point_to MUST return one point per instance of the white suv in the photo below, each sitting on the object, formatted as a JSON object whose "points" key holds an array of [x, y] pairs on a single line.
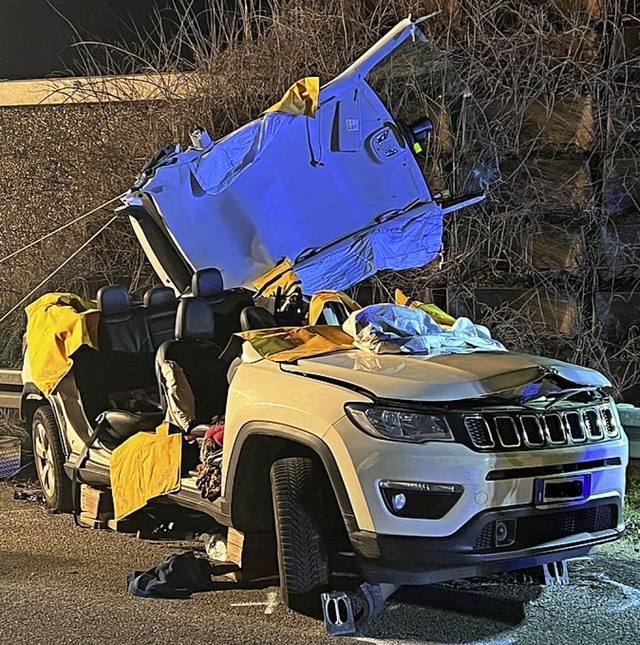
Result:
{"points": [[412, 468]]}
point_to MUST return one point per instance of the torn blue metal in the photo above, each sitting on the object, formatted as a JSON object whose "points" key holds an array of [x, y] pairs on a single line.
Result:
{"points": [[341, 194]]}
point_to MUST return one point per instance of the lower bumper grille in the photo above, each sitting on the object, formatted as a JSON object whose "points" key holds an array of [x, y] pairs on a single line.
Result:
{"points": [[547, 526]]}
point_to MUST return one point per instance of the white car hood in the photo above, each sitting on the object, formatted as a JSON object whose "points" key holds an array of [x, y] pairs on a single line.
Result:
{"points": [[448, 377]]}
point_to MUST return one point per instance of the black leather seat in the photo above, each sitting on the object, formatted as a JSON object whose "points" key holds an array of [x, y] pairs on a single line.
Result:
{"points": [[119, 425], [195, 352], [256, 318], [161, 305], [226, 304], [121, 328]]}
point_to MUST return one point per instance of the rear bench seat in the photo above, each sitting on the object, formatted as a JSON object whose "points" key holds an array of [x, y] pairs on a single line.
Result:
{"points": [[129, 335], [121, 373]]}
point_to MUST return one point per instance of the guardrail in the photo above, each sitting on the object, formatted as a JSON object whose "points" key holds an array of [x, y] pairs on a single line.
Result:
{"points": [[10, 389]]}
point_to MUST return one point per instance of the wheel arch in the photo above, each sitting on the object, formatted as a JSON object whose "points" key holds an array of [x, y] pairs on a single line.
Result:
{"points": [[30, 400], [257, 446]]}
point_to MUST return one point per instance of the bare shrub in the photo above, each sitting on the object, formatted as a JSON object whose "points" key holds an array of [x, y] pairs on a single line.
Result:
{"points": [[556, 153]]}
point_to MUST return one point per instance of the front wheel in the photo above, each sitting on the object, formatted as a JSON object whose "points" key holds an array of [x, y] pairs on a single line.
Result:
{"points": [[303, 560], [49, 458]]}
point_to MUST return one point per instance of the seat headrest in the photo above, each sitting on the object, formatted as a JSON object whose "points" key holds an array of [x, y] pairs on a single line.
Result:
{"points": [[194, 320], [160, 297], [114, 298], [256, 318], [206, 282]]}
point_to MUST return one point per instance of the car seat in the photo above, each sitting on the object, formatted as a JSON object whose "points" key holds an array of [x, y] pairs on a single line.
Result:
{"points": [[195, 352], [160, 305]]}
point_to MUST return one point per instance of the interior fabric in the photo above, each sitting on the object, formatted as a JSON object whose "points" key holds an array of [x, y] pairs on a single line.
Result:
{"points": [[180, 402]]}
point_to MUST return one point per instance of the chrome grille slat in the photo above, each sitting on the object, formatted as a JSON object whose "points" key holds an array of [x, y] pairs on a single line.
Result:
{"points": [[555, 429], [591, 420], [609, 423], [479, 431], [575, 427], [534, 430], [506, 432]]}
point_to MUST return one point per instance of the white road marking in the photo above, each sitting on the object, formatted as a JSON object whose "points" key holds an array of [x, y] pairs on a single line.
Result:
{"points": [[248, 604], [631, 594], [272, 602]]}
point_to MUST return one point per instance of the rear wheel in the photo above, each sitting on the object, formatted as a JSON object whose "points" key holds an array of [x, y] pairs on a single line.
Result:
{"points": [[49, 458], [303, 560]]}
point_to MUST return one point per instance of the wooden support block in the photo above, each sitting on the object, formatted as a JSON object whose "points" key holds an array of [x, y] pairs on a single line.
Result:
{"points": [[96, 503], [254, 553], [554, 312], [125, 525], [89, 521]]}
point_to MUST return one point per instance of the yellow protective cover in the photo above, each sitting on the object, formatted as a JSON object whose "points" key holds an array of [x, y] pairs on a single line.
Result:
{"points": [[281, 277], [143, 467], [320, 298], [300, 99], [286, 344], [441, 317], [57, 325]]}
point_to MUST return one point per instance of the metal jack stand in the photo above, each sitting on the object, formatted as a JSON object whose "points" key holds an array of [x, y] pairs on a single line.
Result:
{"points": [[337, 608], [556, 573], [550, 574]]}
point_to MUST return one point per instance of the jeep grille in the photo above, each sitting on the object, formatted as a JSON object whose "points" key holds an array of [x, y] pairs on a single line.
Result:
{"points": [[516, 430]]}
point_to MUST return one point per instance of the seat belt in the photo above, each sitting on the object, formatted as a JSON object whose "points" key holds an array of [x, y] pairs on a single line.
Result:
{"points": [[79, 462]]}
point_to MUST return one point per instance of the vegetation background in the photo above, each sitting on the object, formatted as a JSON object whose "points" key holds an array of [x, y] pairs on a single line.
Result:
{"points": [[550, 262]]}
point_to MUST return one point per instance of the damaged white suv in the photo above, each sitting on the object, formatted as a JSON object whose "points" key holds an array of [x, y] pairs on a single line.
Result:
{"points": [[413, 468]]}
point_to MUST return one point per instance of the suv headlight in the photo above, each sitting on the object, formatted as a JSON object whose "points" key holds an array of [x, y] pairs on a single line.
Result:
{"points": [[398, 424]]}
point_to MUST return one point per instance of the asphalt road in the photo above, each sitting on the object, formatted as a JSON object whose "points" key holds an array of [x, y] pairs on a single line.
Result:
{"points": [[63, 584]]}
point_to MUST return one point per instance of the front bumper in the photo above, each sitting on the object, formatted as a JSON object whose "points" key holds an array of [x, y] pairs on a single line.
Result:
{"points": [[541, 536]]}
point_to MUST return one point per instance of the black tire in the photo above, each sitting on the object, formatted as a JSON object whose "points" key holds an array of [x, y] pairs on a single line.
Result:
{"points": [[49, 460], [303, 560]]}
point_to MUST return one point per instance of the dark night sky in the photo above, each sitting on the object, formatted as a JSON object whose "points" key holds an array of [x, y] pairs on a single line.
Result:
{"points": [[35, 41]]}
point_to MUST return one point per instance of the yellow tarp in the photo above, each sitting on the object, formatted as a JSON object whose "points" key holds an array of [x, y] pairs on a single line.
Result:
{"points": [[282, 277], [320, 299], [285, 344], [143, 467], [57, 325], [300, 99], [441, 317]]}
